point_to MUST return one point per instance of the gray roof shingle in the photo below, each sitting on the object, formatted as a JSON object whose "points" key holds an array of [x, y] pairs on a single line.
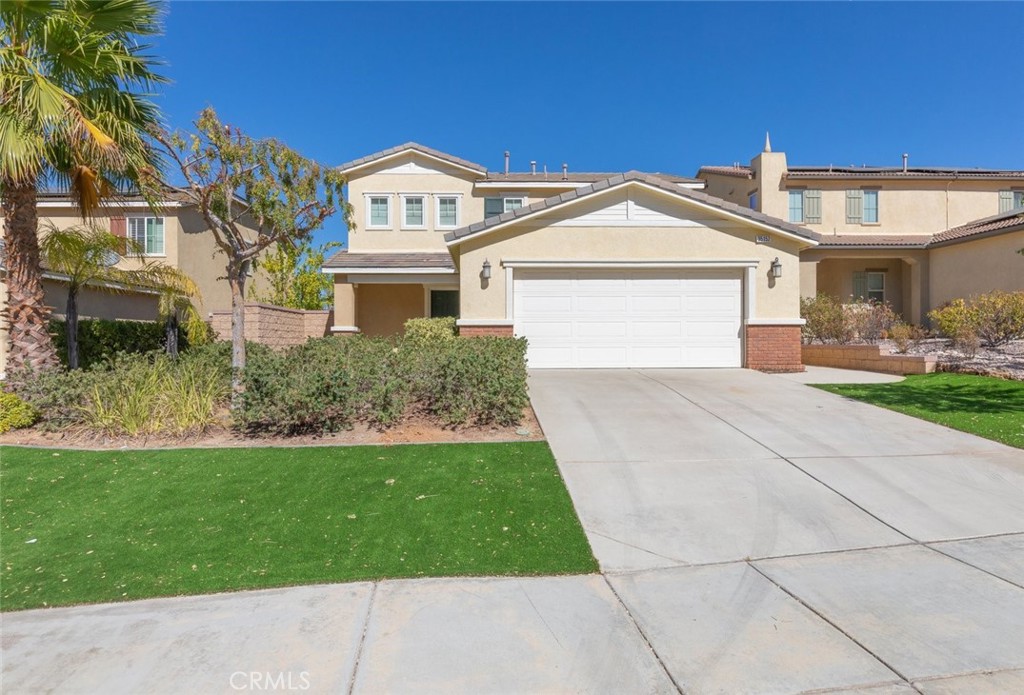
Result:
{"points": [[1003, 222]]}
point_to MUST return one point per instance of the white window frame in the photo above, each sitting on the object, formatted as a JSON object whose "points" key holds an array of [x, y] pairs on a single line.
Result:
{"points": [[864, 207], [368, 198], [426, 213], [437, 210], [145, 245], [505, 198], [876, 273]]}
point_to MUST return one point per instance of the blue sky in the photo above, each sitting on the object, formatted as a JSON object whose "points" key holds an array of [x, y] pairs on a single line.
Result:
{"points": [[609, 86]]}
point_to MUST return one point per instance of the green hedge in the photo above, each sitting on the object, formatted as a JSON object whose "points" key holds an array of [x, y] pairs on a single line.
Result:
{"points": [[330, 383], [101, 339]]}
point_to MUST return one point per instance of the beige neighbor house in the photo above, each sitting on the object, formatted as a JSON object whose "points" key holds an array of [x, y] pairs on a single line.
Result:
{"points": [[595, 269], [176, 235], [914, 237]]}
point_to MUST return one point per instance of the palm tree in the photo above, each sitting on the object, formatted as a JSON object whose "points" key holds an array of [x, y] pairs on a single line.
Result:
{"points": [[74, 114], [86, 256]]}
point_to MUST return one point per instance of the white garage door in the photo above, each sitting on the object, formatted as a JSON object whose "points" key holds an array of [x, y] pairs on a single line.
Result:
{"points": [[632, 318]]}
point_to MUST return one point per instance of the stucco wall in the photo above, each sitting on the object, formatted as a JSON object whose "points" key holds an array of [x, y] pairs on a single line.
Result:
{"points": [[835, 277], [384, 309], [710, 238], [974, 267]]}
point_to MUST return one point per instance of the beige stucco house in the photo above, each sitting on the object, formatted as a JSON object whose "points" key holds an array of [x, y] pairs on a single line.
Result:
{"points": [[175, 234], [914, 237], [595, 269]]}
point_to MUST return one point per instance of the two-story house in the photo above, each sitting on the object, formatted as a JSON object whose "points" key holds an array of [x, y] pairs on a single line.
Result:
{"points": [[175, 234], [595, 269], [912, 236]]}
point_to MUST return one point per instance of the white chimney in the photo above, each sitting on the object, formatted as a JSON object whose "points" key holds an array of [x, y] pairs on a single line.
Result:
{"points": [[905, 158], [533, 167], [565, 171]]}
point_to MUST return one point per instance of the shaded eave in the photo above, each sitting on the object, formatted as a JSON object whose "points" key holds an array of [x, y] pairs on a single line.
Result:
{"points": [[387, 263], [696, 198]]}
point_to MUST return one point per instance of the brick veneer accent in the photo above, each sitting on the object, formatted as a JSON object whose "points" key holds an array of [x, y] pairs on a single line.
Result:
{"points": [[867, 357], [276, 326], [479, 331], [774, 348]]}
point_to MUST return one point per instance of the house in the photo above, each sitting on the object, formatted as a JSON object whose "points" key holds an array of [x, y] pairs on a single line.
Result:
{"points": [[176, 234], [595, 269], [912, 236]]}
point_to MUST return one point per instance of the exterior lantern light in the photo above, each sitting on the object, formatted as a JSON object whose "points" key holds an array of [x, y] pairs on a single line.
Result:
{"points": [[486, 272], [776, 268]]}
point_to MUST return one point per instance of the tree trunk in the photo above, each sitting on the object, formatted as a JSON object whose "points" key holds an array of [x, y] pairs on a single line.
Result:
{"points": [[71, 327], [27, 314], [236, 277], [171, 333]]}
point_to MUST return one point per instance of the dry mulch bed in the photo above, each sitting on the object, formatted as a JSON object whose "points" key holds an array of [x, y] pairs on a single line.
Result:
{"points": [[1006, 362], [412, 430]]}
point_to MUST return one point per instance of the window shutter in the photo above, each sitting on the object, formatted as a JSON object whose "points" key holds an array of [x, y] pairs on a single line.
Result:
{"points": [[119, 228], [812, 206], [493, 206], [860, 286], [854, 207], [1005, 201]]}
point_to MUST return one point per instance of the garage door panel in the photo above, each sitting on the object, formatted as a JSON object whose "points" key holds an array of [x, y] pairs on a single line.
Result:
{"points": [[601, 329], [601, 305], [657, 329], [629, 318]]}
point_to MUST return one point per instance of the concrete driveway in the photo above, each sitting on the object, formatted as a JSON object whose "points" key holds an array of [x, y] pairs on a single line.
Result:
{"points": [[755, 535]]}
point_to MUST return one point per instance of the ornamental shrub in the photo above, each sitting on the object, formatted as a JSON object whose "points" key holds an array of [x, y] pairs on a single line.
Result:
{"points": [[331, 383], [101, 339], [995, 318], [824, 319], [430, 331], [868, 321], [905, 336], [15, 413]]}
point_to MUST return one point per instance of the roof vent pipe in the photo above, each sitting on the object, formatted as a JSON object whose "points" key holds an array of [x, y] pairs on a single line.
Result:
{"points": [[565, 171], [905, 158], [533, 167], [507, 155]]}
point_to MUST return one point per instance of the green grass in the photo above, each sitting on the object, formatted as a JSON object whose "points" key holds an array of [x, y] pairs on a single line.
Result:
{"points": [[84, 527], [985, 406]]}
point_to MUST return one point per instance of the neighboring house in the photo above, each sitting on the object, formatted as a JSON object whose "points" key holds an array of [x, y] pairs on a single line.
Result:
{"points": [[881, 227], [176, 235], [595, 269]]}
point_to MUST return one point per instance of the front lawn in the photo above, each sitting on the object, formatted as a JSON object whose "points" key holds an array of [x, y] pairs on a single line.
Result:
{"points": [[981, 405], [84, 527]]}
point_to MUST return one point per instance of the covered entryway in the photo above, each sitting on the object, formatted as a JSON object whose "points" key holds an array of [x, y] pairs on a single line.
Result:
{"points": [[629, 317]]}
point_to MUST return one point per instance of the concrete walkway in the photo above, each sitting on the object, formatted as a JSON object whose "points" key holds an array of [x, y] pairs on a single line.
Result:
{"points": [[755, 535]]}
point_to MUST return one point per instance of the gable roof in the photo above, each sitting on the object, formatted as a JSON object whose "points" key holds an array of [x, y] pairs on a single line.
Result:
{"points": [[996, 224], [398, 150], [619, 180]]}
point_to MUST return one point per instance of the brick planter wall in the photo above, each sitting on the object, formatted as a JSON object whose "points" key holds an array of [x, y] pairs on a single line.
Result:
{"points": [[774, 348], [479, 331], [275, 326], [867, 357]]}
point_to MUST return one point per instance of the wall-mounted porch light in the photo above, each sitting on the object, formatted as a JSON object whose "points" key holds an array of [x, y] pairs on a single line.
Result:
{"points": [[486, 272], [776, 268]]}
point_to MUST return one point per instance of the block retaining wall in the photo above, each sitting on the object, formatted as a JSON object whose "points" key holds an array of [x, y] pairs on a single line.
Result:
{"points": [[867, 357]]}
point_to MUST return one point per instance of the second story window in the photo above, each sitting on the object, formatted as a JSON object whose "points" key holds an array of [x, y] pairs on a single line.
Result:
{"points": [[1010, 200], [496, 206], [378, 212], [148, 233], [862, 207], [752, 201], [805, 206], [447, 211], [414, 214]]}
